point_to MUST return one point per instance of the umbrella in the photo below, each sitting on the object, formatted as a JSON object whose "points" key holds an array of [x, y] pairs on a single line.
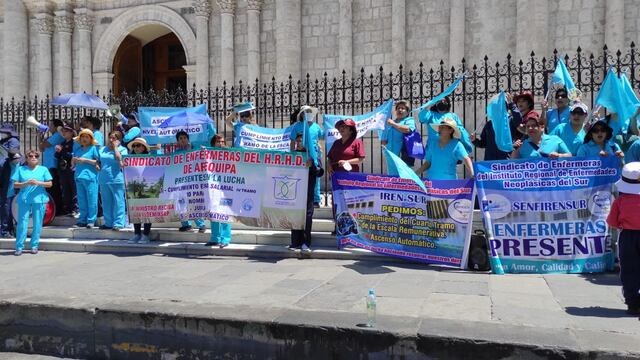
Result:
{"points": [[79, 100], [186, 119]]}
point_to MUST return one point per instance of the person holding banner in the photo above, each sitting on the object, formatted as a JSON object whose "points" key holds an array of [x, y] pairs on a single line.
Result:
{"points": [[220, 232], [347, 153], [241, 115], [538, 144], [442, 157], [301, 239], [572, 133], [308, 114], [559, 115], [625, 215], [395, 130], [93, 123], [597, 141], [32, 180], [141, 231], [85, 159], [111, 182], [47, 147], [183, 144]]}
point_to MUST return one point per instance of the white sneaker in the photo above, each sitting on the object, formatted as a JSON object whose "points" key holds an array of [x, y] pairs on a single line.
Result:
{"points": [[305, 248], [134, 239], [144, 239]]}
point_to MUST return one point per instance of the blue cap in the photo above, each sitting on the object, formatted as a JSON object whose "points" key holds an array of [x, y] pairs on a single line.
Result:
{"points": [[243, 107]]}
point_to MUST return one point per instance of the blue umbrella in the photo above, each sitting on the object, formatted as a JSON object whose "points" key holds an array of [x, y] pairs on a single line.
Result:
{"points": [[186, 119], [79, 100]]}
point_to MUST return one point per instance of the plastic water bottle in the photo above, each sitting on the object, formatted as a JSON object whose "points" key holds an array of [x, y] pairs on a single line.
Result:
{"points": [[371, 308]]}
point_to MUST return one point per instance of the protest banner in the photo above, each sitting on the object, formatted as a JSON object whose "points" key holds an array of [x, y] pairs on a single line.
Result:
{"points": [[257, 188], [548, 216], [394, 216], [373, 120], [151, 117], [253, 137]]}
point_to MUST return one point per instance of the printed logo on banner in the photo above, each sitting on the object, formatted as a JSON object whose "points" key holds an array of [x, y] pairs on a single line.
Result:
{"points": [[459, 210], [346, 225], [285, 188], [498, 205], [247, 204], [600, 203]]}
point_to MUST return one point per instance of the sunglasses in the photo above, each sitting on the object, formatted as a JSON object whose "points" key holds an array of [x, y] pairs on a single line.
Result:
{"points": [[599, 130], [136, 145], [35, 156], [561, 96]]}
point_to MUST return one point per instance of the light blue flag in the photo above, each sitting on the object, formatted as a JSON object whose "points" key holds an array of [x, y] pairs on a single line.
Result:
{"points": [[374, 120], [397, 167], [631, 98], [613, 97], [497, 113], [562, 77], [442, 95]]}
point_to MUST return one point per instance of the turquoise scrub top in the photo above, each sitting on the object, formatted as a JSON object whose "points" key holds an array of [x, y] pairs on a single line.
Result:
{"points": [[549, 144], [99, 137], [49, 154], [593, 149], [394, 138], [110, 171], [131, 134], [570, 138], [444, 160], [555, 118], [86, 171], [32, 194], [633, 153], [315, 132]]}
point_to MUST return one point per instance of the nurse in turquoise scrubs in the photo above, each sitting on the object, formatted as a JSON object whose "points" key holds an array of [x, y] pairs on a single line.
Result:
{"points": [[395, 130], [598, 141], [31, 179], [85, 159], [435, 114], [539, 144], [220, 232], [558, 115], [441, 157], [316, 133], [572, 133], [93, 123], [111, 182]]}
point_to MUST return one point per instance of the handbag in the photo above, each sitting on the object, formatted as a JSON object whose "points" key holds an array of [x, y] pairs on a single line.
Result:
{"points": [[412, 145]]}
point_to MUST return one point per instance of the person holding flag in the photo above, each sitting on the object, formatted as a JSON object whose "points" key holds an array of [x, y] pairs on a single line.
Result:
{"points": [[183, 144], [558, 115], [572, 133], [241, 115], [442, 157], [598, 140], [617, 96], [313, 135], [434, 115], [495, 137], [220, 231], [395, 130]]}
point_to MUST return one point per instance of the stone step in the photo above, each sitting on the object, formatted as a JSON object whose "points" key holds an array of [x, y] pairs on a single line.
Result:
{"points": [[172, 235], [198, 249]]}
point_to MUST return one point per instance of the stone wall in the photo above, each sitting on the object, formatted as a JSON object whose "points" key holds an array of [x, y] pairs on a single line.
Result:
{"points": [[632, 21]]}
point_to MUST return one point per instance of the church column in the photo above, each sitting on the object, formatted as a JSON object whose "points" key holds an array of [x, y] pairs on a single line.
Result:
{"points": [[288, 39], [398, 32], [253, 40], [15, 44], [227, 65], [345, 37], [614, 25], [456, 32], [532, 33], [64, 28], [45, 74], [84, 21], [203, 14]]}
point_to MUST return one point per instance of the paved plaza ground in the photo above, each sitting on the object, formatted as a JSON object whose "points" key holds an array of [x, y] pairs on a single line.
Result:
{"points": [[579, 312]]}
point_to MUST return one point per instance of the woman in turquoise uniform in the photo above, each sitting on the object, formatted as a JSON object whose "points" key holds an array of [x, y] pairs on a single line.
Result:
{"points": [[111, 181], [32, 180], [220, 232], [442, 156], [572, 133], [85, 159], [598, 141], [539, 144], [395, 130]]}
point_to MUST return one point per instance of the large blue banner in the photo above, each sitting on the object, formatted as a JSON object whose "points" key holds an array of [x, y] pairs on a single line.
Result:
{"points": [[151, 117], [394, 216], [374, 120], [548, 216]]}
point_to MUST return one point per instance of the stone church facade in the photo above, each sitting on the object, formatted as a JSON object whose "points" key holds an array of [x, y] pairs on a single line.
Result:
{"points": [[58, 46]]}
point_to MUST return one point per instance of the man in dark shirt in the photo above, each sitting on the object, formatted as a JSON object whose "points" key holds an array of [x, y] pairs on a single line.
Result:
{"points": [[64, 154], [9, 146]]}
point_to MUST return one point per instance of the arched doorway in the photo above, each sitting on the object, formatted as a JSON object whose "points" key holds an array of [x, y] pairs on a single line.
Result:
{"points": [[150, 57]]}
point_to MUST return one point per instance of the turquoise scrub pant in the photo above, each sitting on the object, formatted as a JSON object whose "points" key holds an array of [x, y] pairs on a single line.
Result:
{"points": [[113, 204], [199, 223], [220, 233], [87, 193], [37, 210]]}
